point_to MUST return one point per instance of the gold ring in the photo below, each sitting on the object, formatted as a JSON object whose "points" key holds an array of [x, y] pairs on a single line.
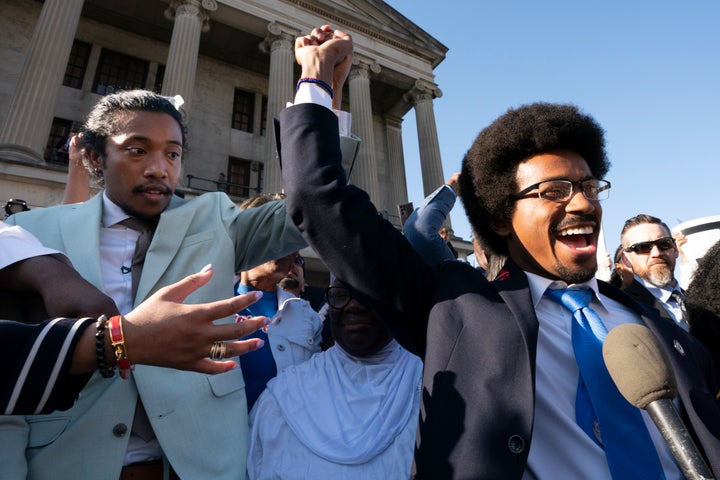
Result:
{"points": [[218, 350]]}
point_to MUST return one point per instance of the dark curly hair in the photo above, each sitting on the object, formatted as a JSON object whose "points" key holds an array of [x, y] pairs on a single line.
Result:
{"points": [[702, 300], [487, 179], [107, 118]]}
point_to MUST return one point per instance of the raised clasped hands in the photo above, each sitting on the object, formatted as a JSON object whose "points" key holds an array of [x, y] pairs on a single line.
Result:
{"points": [[326, 54]]}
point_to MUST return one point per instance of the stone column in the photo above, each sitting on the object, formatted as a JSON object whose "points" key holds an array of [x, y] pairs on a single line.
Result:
{"points": [[92, 66], [25, 131], [191, 17], [279, 43], [396, 163], [422, 96], [364, 173]]}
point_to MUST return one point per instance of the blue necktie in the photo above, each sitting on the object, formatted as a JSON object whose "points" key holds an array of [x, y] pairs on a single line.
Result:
{"points": [[628, 447]]}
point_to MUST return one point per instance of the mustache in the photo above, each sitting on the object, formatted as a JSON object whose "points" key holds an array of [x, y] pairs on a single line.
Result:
{"points": [[659, 261], [576, 221], [162, 188]]}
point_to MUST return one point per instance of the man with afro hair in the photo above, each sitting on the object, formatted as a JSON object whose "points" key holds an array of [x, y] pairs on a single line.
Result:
{"points": [[501, 376]]}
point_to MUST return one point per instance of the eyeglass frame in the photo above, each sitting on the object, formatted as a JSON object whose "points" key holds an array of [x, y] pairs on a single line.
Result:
{"points": [[327, 296], [603, 186], [640, 246]]}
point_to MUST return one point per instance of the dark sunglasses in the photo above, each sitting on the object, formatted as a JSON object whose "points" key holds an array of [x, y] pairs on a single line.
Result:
{"points": [[664, 243]]}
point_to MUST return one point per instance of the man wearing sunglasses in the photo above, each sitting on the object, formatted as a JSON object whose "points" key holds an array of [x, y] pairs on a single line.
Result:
{"points": [[650, 250]]}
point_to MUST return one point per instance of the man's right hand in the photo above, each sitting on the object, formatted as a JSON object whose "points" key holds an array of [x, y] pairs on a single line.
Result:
{"points": [[166, 332]]}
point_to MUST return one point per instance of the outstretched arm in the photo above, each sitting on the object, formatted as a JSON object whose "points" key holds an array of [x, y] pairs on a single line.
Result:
{"points": [[43, 362], [165, 332], [338, 220], [422, 226]]}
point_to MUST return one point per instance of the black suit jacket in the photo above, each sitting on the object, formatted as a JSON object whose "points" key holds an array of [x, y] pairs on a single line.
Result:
{"points": [[638, 292], [477, 339]]}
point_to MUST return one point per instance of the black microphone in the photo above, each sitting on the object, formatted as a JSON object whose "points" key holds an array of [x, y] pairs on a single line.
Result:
{"points": [[642, 372]]}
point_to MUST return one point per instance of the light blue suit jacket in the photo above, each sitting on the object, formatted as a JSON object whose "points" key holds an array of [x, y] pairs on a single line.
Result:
{"points": [[200, 420]]}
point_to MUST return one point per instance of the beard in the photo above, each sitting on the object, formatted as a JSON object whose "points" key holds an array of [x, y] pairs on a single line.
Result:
{"points": [[572, 276], [660, 275], [289, 283]]}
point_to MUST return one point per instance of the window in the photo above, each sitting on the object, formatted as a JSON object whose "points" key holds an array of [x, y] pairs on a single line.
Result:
{"points": [[243, 111], [77, 64], [159, 77], [240, 176], [119, 72], [56, 150], [263, 125]]}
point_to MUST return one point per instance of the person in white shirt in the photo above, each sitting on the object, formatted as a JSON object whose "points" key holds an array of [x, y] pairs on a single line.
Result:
{"points": [[349, 412]]}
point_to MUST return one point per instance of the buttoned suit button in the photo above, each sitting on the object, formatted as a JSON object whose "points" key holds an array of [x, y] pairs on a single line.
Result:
{"points": [[516, 444], [120, 430], [281, 347], [311, 340]]}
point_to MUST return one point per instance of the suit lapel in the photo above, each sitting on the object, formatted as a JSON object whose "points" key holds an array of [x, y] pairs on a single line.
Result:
{"points": [[80, 232], [638, 292], [511, 284]]}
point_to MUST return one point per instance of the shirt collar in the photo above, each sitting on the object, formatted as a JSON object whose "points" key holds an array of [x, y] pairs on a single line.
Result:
{"points": [[111, 213], [538, 286], [661, 293]]}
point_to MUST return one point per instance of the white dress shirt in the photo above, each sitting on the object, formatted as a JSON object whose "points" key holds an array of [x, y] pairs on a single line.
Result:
{"points": [[560, 449], [117, 247]]}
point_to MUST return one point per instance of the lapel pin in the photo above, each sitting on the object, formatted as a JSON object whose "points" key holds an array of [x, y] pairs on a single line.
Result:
{"points": [[678, 347]]}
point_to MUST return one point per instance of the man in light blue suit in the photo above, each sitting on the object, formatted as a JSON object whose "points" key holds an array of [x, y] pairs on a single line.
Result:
{"points": [[135, 141]]}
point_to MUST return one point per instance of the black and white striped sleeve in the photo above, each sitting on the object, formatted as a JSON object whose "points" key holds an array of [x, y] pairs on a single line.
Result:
{"points": [[35, 364]]}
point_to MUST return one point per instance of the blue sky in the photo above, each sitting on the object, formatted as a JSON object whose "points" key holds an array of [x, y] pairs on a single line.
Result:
{"points": [[648, 71]]}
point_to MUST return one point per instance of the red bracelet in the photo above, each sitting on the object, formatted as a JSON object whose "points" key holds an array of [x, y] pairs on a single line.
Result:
{"points": [[118, 342]]}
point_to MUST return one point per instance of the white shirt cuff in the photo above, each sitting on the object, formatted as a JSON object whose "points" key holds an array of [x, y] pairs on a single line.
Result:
{"points": [[310, 93]]}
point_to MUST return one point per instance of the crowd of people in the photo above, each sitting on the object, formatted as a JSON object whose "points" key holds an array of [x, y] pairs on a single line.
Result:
{"points": [[126, 354]]}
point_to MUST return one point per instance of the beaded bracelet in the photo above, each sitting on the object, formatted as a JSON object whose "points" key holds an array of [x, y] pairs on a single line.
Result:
{"points": [[100, 348], [317, 82], [117, 338]]}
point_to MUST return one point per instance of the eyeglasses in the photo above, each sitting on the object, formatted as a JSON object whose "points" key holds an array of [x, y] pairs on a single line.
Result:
{"points": [[338, 297], [664, 243], [562, 190]]}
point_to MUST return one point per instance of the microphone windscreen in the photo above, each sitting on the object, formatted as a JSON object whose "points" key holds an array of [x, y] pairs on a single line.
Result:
{"points": [[638, 366]]}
